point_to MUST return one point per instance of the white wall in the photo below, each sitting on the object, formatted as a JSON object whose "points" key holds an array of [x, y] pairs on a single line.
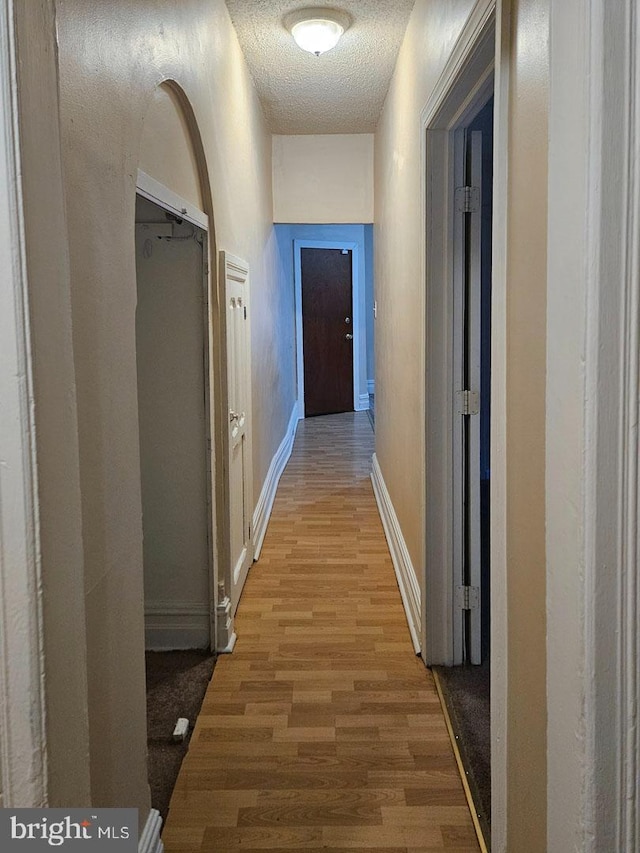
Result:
{"points": [[323, 178]]}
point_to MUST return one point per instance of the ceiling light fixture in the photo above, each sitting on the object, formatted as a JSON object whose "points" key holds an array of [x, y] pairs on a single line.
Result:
{"points": [[317, 30]]}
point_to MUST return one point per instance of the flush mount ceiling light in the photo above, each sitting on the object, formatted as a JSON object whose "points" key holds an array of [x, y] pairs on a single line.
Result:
{"points": [[317, 30]]}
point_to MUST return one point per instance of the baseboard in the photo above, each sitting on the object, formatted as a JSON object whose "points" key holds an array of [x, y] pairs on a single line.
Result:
{"points": [[169, 626], [150, 841], [225, 636], [228, 649], [262, 512], [405, 573], [371, 386], [363, 403]]}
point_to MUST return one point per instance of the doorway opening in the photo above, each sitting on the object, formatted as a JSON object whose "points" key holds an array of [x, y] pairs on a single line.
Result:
{"points": [[329, 277], [172, 359], [466, 684], [459, 221], [327, 330]]}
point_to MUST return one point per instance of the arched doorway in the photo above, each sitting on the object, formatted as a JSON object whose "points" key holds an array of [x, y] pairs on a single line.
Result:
{"points": [[178, 391]]}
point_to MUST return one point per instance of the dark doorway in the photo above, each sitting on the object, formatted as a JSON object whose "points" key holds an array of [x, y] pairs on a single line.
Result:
{"points": [[327, 324], [466, 688]]}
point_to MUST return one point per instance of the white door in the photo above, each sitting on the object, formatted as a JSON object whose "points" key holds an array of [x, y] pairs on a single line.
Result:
{"points": [[236, 279], [467, 362]]}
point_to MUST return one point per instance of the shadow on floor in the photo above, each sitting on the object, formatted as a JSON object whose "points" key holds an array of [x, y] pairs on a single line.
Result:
{"points": [[176, 684], [466, 691]]}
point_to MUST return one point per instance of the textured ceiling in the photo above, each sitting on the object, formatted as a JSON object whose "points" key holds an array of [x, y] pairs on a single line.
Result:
{"points": [[341, 91]]}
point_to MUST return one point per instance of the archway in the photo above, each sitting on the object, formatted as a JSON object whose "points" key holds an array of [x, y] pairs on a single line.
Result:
{"points": [[178, 362]]}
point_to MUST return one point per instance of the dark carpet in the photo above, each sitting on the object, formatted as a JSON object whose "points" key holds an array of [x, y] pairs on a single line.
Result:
{"points": [[176, 684], [466, 691]]}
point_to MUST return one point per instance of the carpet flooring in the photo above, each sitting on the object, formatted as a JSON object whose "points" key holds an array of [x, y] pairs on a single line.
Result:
{"points": [[466, 690], [176, 684]]}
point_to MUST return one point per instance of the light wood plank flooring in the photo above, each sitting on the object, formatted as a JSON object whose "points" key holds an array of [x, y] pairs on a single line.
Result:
{"points": [[322, 731]]}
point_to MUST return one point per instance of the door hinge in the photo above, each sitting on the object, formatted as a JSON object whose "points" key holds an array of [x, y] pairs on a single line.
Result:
{"points": [[245, 312], [467, 402], [467, 597], [467, 199]]}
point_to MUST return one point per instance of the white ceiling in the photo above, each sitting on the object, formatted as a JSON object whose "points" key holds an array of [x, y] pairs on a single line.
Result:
{"points": [[341, 91]]}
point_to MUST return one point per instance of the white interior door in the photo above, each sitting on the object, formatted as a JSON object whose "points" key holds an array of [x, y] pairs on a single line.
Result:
{"points": [[236, 279], [467, 363]]}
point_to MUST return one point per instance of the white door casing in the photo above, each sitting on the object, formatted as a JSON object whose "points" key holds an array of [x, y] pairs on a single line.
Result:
{"points": [[465, 86], [593, 405], [23, 755]]}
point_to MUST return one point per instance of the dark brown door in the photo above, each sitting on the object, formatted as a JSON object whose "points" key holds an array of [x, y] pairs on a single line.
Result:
{"points": [[327, 331]]}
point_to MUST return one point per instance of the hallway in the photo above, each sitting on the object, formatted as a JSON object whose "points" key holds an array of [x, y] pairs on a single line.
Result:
{"points": [[322, 731]]}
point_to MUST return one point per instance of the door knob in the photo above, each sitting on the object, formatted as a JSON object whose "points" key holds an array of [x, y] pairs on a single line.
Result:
{"points": [[347, 320], [348, 337]]}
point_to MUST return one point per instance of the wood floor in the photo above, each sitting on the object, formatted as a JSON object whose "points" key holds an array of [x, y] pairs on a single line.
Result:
{"points": [[322, 731]]}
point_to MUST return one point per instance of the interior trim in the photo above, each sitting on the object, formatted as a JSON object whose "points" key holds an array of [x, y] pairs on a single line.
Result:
{"points": [[262, 512], [400, 557]]}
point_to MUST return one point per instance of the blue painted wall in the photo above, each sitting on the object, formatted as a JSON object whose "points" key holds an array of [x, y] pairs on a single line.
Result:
{"points": [[362, 235]]}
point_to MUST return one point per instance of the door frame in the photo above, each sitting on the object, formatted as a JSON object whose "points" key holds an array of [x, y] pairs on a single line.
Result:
{"points": [[454, 109], [151, 189], [359, 334], [478, 64], [593, 400], [23, 741]]}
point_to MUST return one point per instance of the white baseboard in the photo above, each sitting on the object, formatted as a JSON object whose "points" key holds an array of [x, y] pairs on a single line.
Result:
{"points": [[371, 386], [226, 636], [150, 841], [405, 573], [262, 512], [228, 649], [363, 403], [169, 626]]}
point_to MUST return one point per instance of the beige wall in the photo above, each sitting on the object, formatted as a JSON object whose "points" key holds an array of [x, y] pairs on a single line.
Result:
{"points": [[400, 378], [400, 326], [323, 179], [165, 129], [60, 533], [112, 57]]}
